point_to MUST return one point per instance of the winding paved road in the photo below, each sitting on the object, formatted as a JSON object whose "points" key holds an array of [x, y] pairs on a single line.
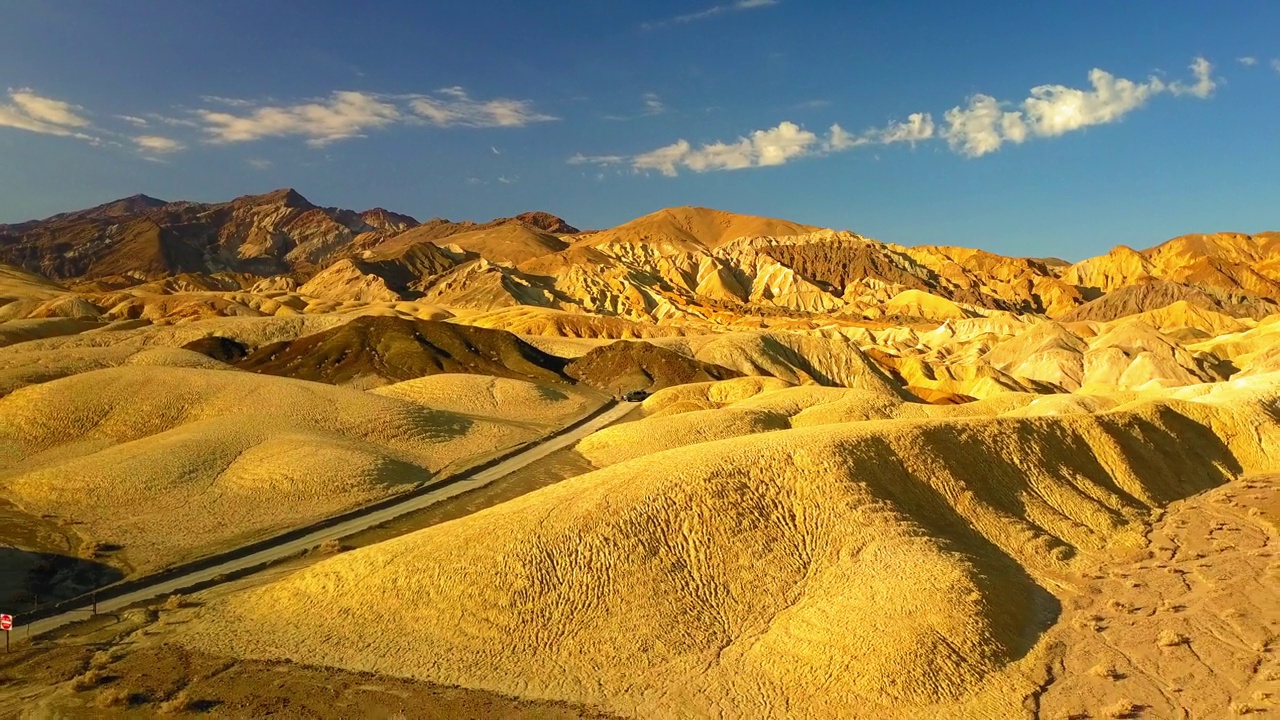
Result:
{"points": [[291, 547]]}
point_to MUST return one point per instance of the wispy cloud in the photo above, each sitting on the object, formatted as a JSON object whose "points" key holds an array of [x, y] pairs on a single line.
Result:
{"points": [[985, 124], [652, 105], [1204, 85], [580, 159], [452, 106], [34, 113], [342, 115], [259, 164], [710, 12], [916, 128], [817, 104], [1275, 64], [158, 144], [349, 114], [230, 102], [980, 127], [134, 121], [775, 146], [762, 148], [1247, 61]]}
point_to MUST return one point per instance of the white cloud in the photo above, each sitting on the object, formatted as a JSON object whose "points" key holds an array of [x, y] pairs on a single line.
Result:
{"points": [[135, 121], [259, 164], [34, 113], [580, 159], [1204, 85], [1275, 64], [173, 121], [917, 127], [42, 109], [985, 124], [232, 102], [344, 114], [452, 106], [782, 143], [1056, 109], [349, 114], [982, 127], [839, 139], [1247, 61], [762, 148], [158, 144], [664, 159], [713, 11], [653, 104]]}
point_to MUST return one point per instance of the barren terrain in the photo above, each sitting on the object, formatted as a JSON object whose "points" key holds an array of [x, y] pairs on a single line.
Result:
{"points": [[869, 481]]}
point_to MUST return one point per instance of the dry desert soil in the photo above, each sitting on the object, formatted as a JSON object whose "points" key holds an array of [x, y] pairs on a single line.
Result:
{"points": [[869, 480]]}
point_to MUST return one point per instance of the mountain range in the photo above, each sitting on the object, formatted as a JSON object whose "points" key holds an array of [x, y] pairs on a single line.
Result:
{"points": [[677, 265]]}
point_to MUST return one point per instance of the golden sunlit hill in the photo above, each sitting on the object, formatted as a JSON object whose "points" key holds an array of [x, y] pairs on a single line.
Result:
{"points": [[321, 462]]}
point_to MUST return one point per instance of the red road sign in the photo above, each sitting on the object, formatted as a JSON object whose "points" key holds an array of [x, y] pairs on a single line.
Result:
{"points": [[6, 622]]}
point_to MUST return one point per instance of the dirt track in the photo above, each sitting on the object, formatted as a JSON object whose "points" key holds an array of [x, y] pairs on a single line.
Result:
{"points": [[212, 573]]}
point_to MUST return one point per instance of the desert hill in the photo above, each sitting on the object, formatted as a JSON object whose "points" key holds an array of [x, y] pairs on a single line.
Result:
{"points": [[686, 228], [173, 462], [279, 232], [871, 481], [511, 243], [380, 350], [677, 266], [1230, 263], [842, 569], [625, 366]]}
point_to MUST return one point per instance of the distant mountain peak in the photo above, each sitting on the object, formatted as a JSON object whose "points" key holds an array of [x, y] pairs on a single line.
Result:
{"points": [[284, 196], [125, 206], [386, 219], [546, 222]]}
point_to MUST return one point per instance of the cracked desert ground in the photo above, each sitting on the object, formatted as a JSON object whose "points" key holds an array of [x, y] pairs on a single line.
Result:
{"points": [[867, 481]]}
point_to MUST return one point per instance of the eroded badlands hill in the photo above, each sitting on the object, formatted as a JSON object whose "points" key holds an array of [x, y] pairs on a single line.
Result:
{"points": [[873, 480]]}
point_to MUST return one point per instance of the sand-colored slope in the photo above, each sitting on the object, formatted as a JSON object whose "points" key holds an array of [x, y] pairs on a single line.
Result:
{"points": [[1149, 294], [712, 394], [693, 228], [917, 303], [792, 357], [19, 284], [853, 570], [1048, 352], [513, 243], [19, 369], [251, 332], [18, 331], [517, 401], [1187, 628], [527, 320], [172, 462]]}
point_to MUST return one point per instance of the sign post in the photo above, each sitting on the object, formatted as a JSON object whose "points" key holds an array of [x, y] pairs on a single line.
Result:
{"points": [[6, 624]]}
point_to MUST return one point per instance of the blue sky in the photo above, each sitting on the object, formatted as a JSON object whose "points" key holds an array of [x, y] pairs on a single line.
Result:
{"points": [[603, 110]]}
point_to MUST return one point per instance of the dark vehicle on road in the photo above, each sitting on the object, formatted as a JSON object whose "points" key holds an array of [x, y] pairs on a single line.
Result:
{"points": [[634, 395]]}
